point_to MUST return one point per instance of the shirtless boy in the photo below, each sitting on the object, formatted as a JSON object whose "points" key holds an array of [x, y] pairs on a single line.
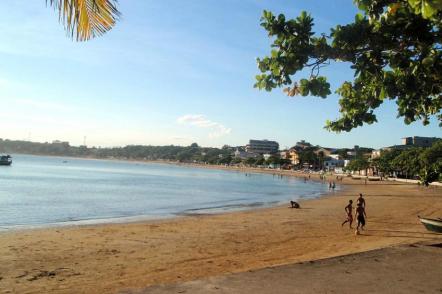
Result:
{"points": [[360, 216], [349, 212], [361, 200]]}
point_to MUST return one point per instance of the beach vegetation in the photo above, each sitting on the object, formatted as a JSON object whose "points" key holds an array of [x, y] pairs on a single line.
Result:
{"points": [[431, 164], [420, 163], [408, 164], [358, 164], [260, 161], [394, 48], [308, 157], [250, 161]]}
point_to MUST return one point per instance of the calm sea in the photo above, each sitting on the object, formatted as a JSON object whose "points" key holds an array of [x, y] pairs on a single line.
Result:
{"points": [[39, 191]]}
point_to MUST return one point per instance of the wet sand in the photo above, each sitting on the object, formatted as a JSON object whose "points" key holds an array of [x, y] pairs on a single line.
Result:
{"points": [[116, 258]]}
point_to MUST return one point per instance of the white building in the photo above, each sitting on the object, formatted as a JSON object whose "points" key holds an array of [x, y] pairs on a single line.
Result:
{"points": [[243, 154], [332, 163], [266, 156], [262, 146]]}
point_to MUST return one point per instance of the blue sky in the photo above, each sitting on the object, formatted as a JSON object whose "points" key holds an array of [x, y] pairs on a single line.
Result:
{"points": [[170, 72]]}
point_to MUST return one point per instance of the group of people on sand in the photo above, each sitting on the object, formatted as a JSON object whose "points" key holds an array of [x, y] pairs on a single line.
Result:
{"points": [[360, 214]]}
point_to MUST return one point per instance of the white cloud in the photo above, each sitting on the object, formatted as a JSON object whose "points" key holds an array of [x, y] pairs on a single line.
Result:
{"points": [[198, 120]]}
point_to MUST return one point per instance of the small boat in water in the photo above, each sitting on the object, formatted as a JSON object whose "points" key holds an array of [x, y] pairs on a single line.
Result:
{"points": [[434, 225], [5, 159]]}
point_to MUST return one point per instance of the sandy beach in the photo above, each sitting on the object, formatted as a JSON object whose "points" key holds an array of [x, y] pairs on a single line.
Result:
{"points": [[114, 258], [406, 269]]}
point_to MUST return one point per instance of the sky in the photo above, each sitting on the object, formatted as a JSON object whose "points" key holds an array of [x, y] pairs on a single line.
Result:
{"points": [[170, 72]]}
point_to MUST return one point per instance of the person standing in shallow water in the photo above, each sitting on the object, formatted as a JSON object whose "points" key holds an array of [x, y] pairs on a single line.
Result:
{"points": [[349, 211]]}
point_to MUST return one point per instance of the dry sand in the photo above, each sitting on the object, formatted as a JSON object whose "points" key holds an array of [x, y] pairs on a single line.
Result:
{"points": [[404, 269], [114, 258]]}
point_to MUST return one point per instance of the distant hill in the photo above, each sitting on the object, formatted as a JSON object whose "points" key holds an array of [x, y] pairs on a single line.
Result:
{"points": [[192, 153]]}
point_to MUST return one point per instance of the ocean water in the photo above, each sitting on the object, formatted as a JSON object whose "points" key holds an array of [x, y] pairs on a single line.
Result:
{"points": [[40, 191]]}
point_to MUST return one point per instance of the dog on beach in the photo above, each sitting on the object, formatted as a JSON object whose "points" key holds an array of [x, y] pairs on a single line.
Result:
{"points": [[295, 204]]}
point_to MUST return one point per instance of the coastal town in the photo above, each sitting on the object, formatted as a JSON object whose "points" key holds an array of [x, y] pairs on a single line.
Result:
{"points": [[309, 157], [415, 158]]}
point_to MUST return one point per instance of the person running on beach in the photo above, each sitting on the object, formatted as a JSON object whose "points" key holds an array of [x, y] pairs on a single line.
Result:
{"points": [[360, 216], [349, 211]]}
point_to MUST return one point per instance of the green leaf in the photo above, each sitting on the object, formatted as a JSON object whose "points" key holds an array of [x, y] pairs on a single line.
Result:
{"points": [[382, 94]]}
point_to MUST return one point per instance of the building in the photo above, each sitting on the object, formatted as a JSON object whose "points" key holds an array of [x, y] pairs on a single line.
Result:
{"points": [[326, 152], [419, 141], [303, 144], [353, 152], [409, 142], [243, 154], [331, 164], [285, 154], [335, 156], [376, 154], [64, 144], [262, 146], [266, 156], [294, 155]]}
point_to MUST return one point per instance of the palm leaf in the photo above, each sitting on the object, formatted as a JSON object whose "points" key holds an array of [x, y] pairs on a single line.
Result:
{"points": [[86, 19]]}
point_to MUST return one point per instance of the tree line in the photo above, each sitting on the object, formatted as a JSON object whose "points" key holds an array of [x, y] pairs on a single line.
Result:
{"points": [[192, 153], [420, 163]]}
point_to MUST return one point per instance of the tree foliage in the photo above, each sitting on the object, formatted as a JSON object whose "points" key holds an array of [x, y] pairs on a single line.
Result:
{"points": [[393, 46], [424, 163], [358, 164], [431, 164], [192, 153], [385, 162], [85, 19], [308, 156], [407, 163]]}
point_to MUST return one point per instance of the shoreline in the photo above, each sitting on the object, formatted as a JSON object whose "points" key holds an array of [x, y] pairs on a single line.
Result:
{"points": [[146, 219], [315, 177], [138, 255], [244, 169], [205, 210]]}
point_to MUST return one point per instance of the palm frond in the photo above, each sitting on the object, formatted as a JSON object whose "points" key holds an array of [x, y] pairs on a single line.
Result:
{"points": [[86, 19]]}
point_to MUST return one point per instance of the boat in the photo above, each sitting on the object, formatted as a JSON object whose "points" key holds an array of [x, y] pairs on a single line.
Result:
{"points": [[5, 159], [431, 224]]}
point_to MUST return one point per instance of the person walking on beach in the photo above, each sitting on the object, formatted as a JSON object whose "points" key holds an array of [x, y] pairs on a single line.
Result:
{"points": [[361, 201], [360, 216], [349, 212]]}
